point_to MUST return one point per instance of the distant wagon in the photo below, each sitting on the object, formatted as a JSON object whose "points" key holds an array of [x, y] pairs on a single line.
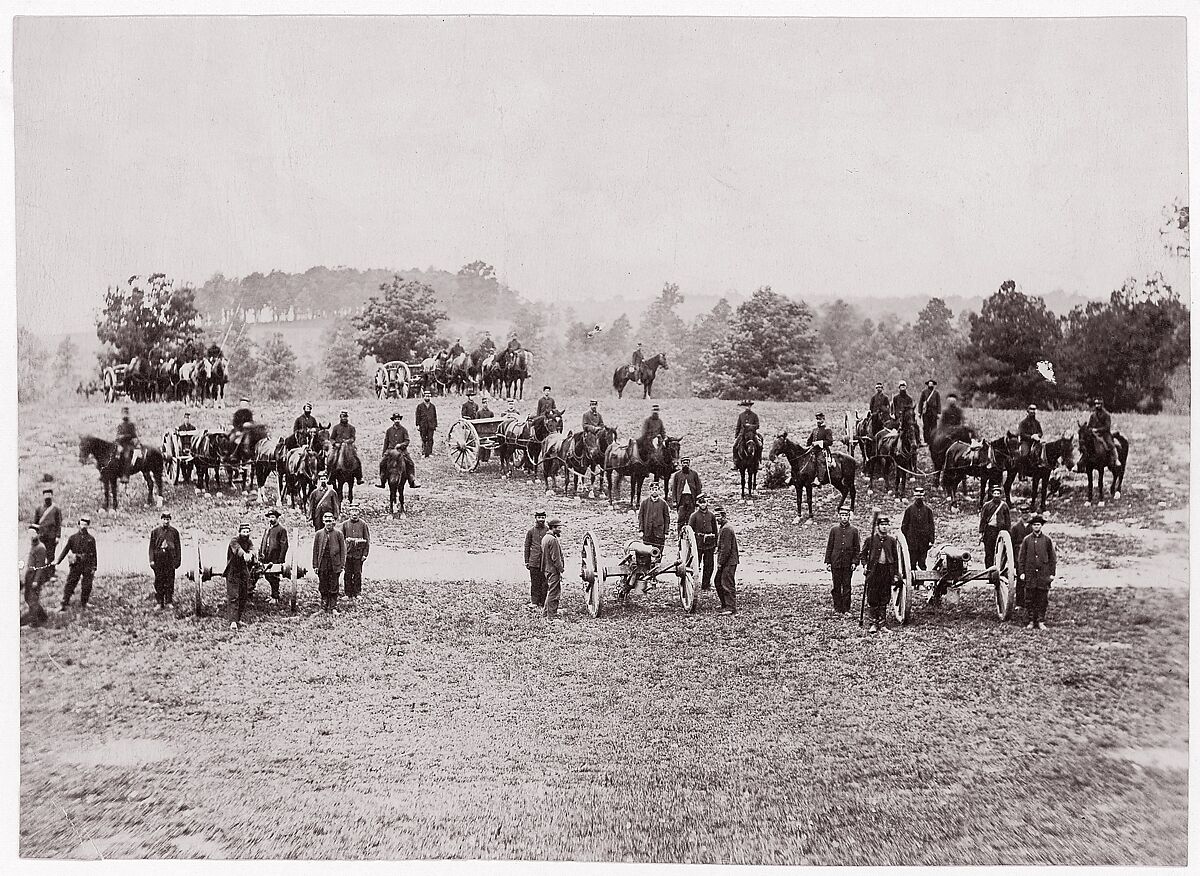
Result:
{"points": [[393, 380], [470, 442], [114, 378]]}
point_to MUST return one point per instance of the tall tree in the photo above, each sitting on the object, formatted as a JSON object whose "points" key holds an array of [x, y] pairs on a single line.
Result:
{"points": [[145, 317], [276, 376], [663, 329], [936, 343], [64, 363], [772, 351], [1009, 336], [343, 373], [31, 360], [706, 330], [404, 320]]}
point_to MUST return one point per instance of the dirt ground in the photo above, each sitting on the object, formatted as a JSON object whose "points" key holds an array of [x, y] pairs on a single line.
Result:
{"points": [[440, 719]]}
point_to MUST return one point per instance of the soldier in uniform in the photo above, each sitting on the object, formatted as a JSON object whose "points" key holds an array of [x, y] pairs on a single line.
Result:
{"points": [[1100, 422], [745, 418], [841, 558], [952, 417], [1017, 533], [48, 520], [636, 360], [902, 401], [727, 563], [992, 518], [166, 553], [513, 344], [704, 523], [323, 498], [329, 559], [484, 411], [1030, 432], [654, 518], [879, 403], [305, 425], [533, 560], [457, 349], [38, 570], [426, 422], [272, 550], [881, 559], [242, 419], [685, 487], [1038, 564], [821, 436], [592, 421], [487, 344], [127, 440], [654, 432], [239, 565], [930, 407], [553, 566], [470, 410], [186, 426], [81, 548], [343, 431], [396, 438], [917, 527], [546, 405], [358, 545]]}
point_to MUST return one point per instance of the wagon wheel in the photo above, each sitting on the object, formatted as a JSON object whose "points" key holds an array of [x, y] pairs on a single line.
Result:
{"points": [[518, 456], [592, 574], [463, 444], [689, 568], [172, 470], [901, 599], [290, 586], [1005, 576]]}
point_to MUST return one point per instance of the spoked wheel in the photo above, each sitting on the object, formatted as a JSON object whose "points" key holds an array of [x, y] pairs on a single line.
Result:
{"points": [[1005, 576], [518, 456], [463, 444], [591, 573], [172, 470], [901, 599], [290, 587], [689, 568]]}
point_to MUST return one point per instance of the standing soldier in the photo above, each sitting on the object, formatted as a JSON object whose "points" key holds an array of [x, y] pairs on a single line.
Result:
{"points": [[1100, 422], [881, 559], [930, 406], [821, 436], [546, 405], [48, 520], [533, 560], [841, 559], [654, 433], [592, 421], [322, 499], [239, 565], [38, 570], [992, 519], [1017, 533], [553, 566], [329, 558], [273, 549], [358, 545], [704, 523], [341, 432], [470, 410], [1037, 560], [426, 422], [1030, 432], [917, 527], [727, 562], [81, 548], [654, 518], [902, 401], [396, 438], [879, 403], [685, 487], [166, 553]]}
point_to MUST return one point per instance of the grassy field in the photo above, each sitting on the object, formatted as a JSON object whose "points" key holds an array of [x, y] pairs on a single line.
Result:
{"points": [[440, 719]]}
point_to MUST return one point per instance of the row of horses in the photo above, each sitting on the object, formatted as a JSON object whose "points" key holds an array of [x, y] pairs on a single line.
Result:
{"points": [[501, 373], [174, 378]]}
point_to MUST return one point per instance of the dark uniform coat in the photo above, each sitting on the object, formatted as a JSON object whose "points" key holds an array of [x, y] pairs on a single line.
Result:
{"points": [[727, 546], [1037, 561], [998, 507], [396, 434], [357, 550], [546, 406], [843, 547], [901, 401], [681, 478], [881, 558], [820, 433], [1101, 421], [552, 560], [917, 526], [165, 549], [343, 432], [303, 422], [704, 524], [879, 403], [329, 551], [592, 421], [1030, 427], [237, 567], [321, 501], [49, 522], [274, 545], [470, 410], [952, 417], [426, 417], [929, 403], [745, 418], [533, 546], [654, 520], [241, 417], [83, 546], [653, 426]]}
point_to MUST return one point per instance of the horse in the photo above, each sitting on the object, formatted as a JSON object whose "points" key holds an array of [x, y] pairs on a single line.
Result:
{"points": [[112, 467], [209, 453], [247, 452], [396, 468], [644, 374], [1037, 465], [553, 458], [581, 452], [526, 436], [964, 459], [865, 430], [298, 474], [268, 459], [343, 467], [941, 441], [747, 455], [458, 377], [185, 381], [897, 448], [167, 378], [514, 373], [626, 461], [215, 380], [138, 379], [1094, 457], [803, 461]]}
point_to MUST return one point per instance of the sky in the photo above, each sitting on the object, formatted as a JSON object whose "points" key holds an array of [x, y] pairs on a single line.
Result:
{"points": [[597, 157]]}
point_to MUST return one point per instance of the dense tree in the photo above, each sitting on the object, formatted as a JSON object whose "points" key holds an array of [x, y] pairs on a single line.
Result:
{"points": [[1009, 336], [406, 318], [936, 343], [663, 329], [276, 377], [145, 317], [706, 330], [529, 322], [31, 360], [241, 353], [64, 364], [772, 351], [343, 374]]}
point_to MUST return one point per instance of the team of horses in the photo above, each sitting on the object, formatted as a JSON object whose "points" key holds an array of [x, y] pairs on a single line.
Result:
{"points": [[173, 378], [499, 372]]}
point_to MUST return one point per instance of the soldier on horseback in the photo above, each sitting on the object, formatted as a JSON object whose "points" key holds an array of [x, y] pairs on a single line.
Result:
{"points": [[513, 344], [1030, 433], [635, 362], [340, 433], [127, 440], [952, 417], [487, 344], [746, 418], [821, 437], [1100, 424], [396, 438], [592, 420], [654, 433], [879, 406], [457, 350], [546, 405], [902, 401], [305, 425], [243, 423]]}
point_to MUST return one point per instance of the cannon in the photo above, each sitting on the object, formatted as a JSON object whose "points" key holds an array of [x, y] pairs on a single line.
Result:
{"points": [[641, 565], [289, 574], [950, 572]]}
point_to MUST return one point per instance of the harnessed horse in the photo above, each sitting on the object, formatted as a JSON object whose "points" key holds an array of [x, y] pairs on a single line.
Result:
{"points": [[747, 455], [109, 463], [803, 461]]}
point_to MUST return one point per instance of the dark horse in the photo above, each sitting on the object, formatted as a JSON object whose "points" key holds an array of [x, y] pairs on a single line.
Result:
{"points": [[865, 430], [897, 449], [112, 467], [1094, 457], [963, 459], [343, 467], [804, 472], [644, 374], [1037, 465], [747, 454], [521, 443], [582, 454], [396, 468], [625, 461]]}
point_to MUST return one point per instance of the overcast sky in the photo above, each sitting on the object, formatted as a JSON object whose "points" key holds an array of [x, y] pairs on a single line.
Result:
{"points": [[597, 157]]}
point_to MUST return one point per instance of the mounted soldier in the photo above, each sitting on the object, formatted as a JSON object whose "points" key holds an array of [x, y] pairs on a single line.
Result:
{"points": [[457, 350], [1100, 424], [654, 433], [902, 401], [127, 439], [879, 404], [514, 345], [592, 420], [305, 426], [487, 344], [1030, 433], [636, 360], [341, 432], [546, 406], [396, 438], [953, 416], [242, 421], [821, 437], [746, 418], [930, 408]]}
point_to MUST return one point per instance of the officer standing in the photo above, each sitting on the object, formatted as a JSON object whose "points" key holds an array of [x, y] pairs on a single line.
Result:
{"points": [[48, 520], [881, 559], [704, 523], [930, 406], [426, 422], [38, 570], [329, 559], [533, 560], [992, 518], [917, 527], [1039, 565], [358, 545], [273, 549], [322, 499], [239, 563], [841, 558], [553, 566], [685, 487], [166, 553], [654, 518], [727, 563], [81, 548]]}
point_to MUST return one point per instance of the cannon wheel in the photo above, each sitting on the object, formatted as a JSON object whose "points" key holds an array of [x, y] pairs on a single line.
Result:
{"points": [[463, 444], [289, 576], [172, 467], [901, 602], [1005, 576], [591, 572], [689, 568]]}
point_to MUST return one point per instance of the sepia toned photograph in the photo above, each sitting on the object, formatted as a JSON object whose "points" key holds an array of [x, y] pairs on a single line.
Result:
{"points": [[775, 439]]}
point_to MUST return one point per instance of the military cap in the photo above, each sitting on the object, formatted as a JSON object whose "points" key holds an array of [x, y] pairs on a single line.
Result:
{"points": [[396, 415], [243, 399], [820, 416], [540, 512], [343, 413], [718, 509], [879, 385], [996, 491], [654, 407], [918, 491], [125, 410], [1037, 518], [931, 382], [33, 527], [903, 383], [1031, 408], [470, 392], [886, 520], [427, 394], [272, 512], [553, 522], [47, 490], [85, 519], [703, 497], [245, 524], [547, 386], [745, 403], [166, 515], [685, 460], [1097, 401], [951, 395], [308, 406], [592, 402]]}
